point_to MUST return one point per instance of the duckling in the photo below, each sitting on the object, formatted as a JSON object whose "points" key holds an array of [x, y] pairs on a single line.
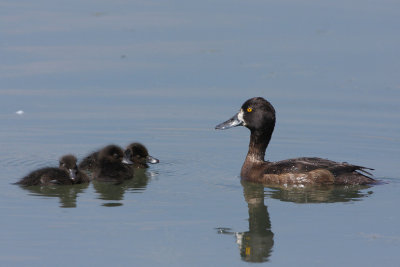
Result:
{"points": [[66, 173], [112, 166], [258, 115]]}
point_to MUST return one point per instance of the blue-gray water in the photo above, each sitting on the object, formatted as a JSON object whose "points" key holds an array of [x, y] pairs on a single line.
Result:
{"points": [[91, 73]]}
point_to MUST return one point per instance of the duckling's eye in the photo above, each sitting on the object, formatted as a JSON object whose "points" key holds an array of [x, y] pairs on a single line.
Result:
{"points": [[249, 109]]}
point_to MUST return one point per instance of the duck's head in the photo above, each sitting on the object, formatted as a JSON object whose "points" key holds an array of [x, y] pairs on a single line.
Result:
{"points": [[138, 153], [68, 163], [257, 114], [112, 154]]}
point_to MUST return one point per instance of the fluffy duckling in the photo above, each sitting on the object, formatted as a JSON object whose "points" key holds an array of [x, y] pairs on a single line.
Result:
{"points": [[112, 166], [66, 174]]}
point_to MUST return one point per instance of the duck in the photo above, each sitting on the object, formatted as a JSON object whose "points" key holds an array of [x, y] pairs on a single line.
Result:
{"points": [[137, 153], [258, 115], [111, 165], [139, 156], [66, 174]]}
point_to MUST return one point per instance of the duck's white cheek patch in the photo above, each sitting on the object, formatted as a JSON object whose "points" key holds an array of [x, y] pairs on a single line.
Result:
{"points": [[240, 116]]}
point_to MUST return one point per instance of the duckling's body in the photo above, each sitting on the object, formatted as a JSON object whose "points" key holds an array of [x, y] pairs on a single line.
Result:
{"points": [[110, 166], [46, 176], [66, 174], [89, 163], [258, 115]]}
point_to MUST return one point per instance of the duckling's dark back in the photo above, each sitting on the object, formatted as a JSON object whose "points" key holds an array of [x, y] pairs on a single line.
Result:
{"points": [[46, 176], [89, 163]]}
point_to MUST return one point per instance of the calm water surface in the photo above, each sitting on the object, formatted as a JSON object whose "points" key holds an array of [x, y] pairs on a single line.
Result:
{"points": [[87, 74]]}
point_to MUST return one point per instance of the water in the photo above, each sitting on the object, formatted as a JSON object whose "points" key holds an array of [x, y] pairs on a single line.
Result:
{"points": [[87, 74]]}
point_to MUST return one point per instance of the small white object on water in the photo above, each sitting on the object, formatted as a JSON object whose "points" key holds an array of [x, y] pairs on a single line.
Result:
{"points": [[19, 112]]}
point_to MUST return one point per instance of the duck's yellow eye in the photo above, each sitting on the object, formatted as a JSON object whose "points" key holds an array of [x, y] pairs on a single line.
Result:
{"points": [[249, 109]]}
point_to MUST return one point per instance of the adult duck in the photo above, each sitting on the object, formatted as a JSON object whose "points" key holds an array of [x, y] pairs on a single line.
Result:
{"points": [[258, 115]]}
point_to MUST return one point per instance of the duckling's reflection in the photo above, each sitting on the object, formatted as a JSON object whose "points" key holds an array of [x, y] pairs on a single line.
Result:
{"points": [[68, 194], [256, 244], [110, 191]]}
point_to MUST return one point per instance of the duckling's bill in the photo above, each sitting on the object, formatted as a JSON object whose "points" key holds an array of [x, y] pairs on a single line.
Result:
{"points": [[72, 174], [126, 160], [152, 160]]}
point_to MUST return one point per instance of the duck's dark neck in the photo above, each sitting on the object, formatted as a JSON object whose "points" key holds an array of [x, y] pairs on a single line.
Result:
{"points": [[259, 141]]}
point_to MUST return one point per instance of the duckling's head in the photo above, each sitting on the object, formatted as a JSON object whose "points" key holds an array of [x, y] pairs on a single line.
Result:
{"points": [[138, 154], [68, 163], [111, 154], [257, 114]]}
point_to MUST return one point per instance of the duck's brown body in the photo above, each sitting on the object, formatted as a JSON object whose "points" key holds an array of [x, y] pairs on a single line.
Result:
{"points": [[303, 171], [258, 115]]}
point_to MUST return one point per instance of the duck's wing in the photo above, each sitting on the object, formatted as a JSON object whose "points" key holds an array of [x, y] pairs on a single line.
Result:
{"points": [[306, 164]]}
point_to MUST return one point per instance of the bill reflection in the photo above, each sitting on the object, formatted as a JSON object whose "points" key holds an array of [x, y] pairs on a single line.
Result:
{"points": [[255, 245]]}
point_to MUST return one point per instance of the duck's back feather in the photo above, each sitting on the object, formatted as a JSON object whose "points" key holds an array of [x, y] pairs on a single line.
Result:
{"points": [[343, 172]]}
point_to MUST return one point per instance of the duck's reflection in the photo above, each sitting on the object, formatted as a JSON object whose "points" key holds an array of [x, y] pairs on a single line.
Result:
{"points": [[66, 193], [113, 193], [318, 193], [256, 245]]}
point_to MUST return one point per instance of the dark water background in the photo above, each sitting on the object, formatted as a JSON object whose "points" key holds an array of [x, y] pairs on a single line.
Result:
{"points": [[91, 73]]}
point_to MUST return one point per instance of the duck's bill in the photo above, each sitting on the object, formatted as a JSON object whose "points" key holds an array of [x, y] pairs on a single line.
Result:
{"points": [[127, 154], [72, 174], [126, 160], [152, 160], [232, 122]]}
